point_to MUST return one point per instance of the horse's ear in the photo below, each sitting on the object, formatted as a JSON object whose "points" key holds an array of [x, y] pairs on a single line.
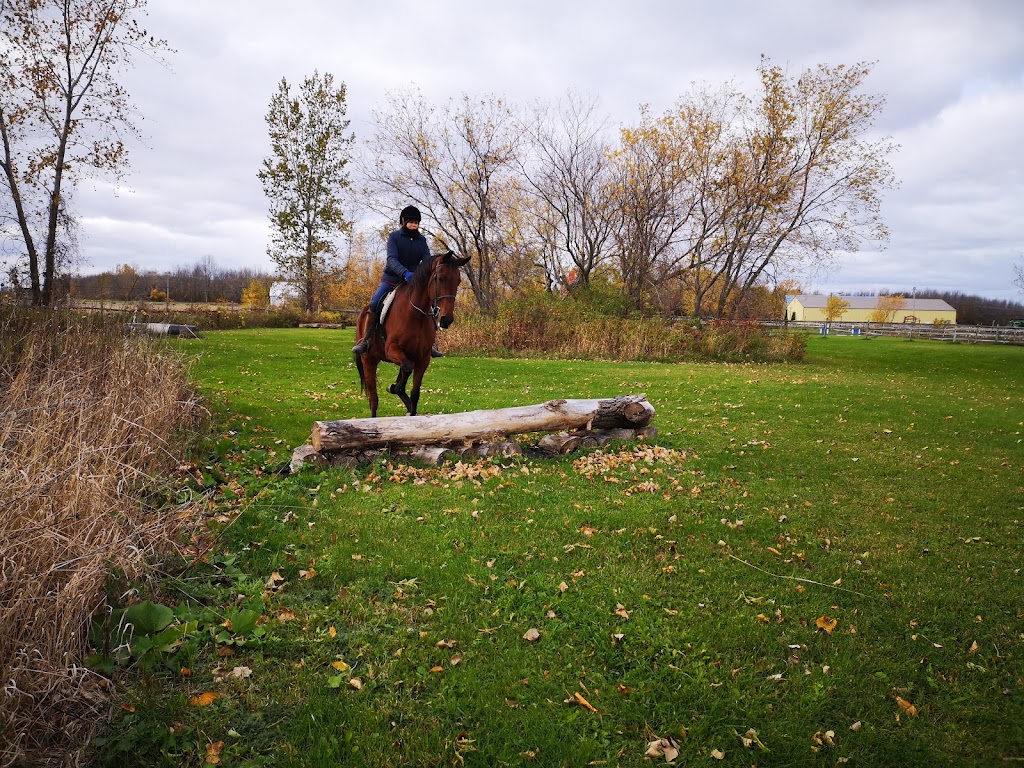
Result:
{"points": [[460, 261]]}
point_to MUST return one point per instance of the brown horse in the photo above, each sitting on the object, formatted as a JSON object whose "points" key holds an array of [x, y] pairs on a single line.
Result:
{"points": [[410, 327]]}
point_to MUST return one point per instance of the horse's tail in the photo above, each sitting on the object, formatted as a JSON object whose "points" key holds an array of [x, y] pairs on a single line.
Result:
{"points": [[362, 376]]}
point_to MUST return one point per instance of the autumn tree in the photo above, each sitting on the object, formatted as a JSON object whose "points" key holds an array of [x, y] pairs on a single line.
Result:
{"points": [[354, 279], [835, 308], [651, 169], [454, 162], [886, 308], [761, 186], [305, 177], [256, 295], [807, 178], [63, 116]]}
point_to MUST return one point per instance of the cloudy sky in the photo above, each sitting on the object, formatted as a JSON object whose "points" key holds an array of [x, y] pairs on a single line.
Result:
{"points": [[952, 72]]}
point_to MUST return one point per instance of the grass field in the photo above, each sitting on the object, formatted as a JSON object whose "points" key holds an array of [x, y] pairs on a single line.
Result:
{"points": [[817, 564]]}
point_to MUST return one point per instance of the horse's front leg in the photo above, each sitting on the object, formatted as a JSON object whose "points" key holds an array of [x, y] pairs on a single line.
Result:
{"points": [[398, 388], [417, 379]]}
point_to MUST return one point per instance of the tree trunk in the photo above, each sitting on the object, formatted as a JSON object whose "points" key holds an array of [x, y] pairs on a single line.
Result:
{"points": [[625, 411]]}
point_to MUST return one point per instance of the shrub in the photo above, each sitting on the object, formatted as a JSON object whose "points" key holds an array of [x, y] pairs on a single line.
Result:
{"points": [[545, 325]]}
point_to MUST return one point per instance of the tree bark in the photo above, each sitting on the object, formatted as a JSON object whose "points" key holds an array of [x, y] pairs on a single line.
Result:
{"points": [[625, 411]]}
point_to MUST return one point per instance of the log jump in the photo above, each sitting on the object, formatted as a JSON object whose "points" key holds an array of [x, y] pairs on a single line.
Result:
{"points": [[436, 438]]}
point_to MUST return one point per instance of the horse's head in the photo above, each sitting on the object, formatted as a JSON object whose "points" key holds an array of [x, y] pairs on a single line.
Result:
{"points": [[445, 276]]}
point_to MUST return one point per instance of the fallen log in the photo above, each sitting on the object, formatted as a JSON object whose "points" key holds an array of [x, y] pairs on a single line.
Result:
{"points": [[625, 411]]}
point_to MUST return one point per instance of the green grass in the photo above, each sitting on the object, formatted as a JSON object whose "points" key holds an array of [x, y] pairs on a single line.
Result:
{"points": [[879, 485]]}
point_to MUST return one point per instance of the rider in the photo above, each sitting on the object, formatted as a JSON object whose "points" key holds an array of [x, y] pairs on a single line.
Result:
{"points": [[407, 247]]}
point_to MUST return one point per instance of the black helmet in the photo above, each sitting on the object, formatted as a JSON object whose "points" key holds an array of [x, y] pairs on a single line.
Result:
{"points": [[409, 213]]}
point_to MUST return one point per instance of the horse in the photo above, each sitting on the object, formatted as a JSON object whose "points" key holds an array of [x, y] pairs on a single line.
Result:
{"points": [[419, 307]]}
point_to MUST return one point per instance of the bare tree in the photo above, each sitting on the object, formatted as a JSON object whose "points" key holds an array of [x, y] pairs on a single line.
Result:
{"points": [[63, 114], [569, 172], [455, 163], [1018, 274]]}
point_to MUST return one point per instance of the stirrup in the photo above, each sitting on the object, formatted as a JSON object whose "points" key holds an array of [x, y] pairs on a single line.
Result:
{"points": [[362, 347]]}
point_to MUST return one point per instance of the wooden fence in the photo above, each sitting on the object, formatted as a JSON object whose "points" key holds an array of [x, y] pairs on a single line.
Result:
{"points": [[974, 334]]}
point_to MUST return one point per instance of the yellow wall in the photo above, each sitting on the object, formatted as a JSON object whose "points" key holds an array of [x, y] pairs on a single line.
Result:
{"points": [[817, 314]]}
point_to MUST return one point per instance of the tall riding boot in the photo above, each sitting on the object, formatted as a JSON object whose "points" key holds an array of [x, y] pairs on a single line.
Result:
{"points": [[371, 328]]}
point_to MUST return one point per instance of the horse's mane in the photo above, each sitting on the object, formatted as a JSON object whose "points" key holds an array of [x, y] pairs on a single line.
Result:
{"points": [[421, 276]]}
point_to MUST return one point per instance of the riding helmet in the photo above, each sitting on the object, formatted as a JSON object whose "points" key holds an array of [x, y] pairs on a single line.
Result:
{"points": [[409, 213]]}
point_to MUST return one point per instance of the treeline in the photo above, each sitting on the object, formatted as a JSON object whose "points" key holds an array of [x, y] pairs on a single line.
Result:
{"points": [[201, 283], [977, 310], [970, 309]]}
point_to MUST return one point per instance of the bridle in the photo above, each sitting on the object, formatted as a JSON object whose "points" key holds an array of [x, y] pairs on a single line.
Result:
{"points": [[434, 307]]}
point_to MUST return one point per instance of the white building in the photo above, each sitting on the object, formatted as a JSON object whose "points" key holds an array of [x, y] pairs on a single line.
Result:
{"points": [[281, 292]]}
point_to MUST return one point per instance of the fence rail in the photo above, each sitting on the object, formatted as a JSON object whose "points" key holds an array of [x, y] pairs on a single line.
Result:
{"points": [[975, 334]]}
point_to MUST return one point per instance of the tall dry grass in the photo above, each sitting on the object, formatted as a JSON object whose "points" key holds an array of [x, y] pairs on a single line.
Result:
{"points": [[89, 423], [567, 329]]}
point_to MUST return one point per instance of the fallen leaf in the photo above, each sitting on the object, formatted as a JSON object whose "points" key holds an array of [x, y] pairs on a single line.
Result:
{"points": [[750, 739], [857, 726], [718, 754], [666, 748], [584, 703], [437, 669], [906, 706], [355, 683], [825, 623], [240, 673], [824, 738], [339, 665], [307, 574], [455, 661], [203, 699], [444, 644], [563, 587], [623, 690], [620, 610], [286, 615], [533, 635], [332, 632], [213, 752]]}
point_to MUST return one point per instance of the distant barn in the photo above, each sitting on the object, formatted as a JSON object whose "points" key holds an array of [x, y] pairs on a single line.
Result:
{"points": [[811, 307], [283, 292]]}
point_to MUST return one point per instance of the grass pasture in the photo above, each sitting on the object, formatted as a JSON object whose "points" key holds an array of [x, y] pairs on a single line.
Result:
{"points": [[827, 554]]}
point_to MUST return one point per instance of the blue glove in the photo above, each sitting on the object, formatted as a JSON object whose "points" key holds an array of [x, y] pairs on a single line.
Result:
{"points": [[407, 276]]}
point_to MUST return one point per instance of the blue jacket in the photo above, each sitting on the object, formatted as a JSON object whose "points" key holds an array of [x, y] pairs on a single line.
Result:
{"points": [[405, 252]]}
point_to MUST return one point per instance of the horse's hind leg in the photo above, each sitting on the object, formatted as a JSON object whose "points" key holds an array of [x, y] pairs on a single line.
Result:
{"points": [[370, 383]]}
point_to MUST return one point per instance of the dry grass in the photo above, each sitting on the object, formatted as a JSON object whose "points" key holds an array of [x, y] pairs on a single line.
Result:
{"points": [[89, 421], [568, 330]]}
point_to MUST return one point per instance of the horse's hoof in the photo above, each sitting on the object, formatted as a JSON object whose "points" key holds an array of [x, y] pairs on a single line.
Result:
{"points": [[393, 389]]}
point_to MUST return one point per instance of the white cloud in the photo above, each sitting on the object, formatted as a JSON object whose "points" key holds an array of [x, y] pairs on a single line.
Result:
{"points": [[951, 71]]}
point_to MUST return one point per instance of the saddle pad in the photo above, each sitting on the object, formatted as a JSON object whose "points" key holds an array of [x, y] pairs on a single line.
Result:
{"points": [[386, 304]]}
